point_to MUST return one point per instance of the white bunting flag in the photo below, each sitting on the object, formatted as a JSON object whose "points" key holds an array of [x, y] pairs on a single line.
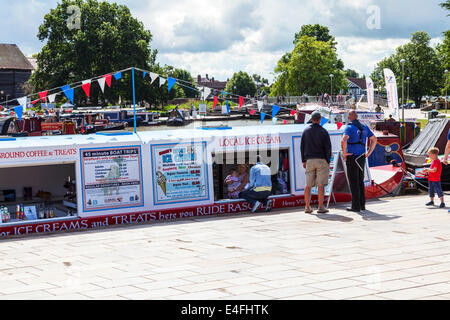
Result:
{"points": [[162, 81], [274, 120], [260, 105], [101, 82], [307, 117], [153, 76], [52, 97], [224, 109], [23, 102], [207, 92]]}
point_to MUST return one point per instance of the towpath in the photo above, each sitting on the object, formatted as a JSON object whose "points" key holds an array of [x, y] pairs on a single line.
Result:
{"points": [[397, 250]]}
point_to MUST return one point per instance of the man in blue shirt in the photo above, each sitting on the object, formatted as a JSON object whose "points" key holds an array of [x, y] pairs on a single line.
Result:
{"points": [[353, 146], [259, 187]]}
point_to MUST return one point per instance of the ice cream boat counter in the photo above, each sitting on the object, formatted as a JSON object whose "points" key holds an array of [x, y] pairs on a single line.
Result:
{"points": [[77, 182]]}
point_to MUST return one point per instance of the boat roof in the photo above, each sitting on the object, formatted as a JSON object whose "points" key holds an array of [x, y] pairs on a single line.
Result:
{"points": [[128, 137]]}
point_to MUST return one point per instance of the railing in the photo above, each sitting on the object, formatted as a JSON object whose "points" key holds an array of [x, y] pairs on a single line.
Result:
{"points": [[340, 100]]}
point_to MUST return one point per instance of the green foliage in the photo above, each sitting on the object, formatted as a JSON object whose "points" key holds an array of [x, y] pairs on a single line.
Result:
{"points": [[241, 84], [351, 73], [445, 5], [307, 69], [423, 65], [109, 39], [444, 54], [316, 31]]}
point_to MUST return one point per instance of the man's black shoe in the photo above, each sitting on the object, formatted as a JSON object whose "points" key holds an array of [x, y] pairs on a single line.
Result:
{"points": [[351, 209]]}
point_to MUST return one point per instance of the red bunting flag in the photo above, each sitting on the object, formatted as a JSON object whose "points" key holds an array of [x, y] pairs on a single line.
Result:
{"points": [[241, 102], [339, 125], [108, 78], [215, 102], [87, 87], [43, 95], [293, 112], [35, 101], [252, 111]]}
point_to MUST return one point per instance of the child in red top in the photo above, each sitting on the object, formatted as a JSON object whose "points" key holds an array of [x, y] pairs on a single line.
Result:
{"points": [[434, 177]]}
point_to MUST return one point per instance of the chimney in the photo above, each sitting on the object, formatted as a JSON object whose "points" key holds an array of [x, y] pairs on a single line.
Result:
{"points": [[199, 78], [212, 79], [207, 77]]}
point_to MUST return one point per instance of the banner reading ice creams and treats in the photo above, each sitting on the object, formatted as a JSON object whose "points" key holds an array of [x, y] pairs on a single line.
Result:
{"points": [[112, 178], [179, 173], [370, 93]]}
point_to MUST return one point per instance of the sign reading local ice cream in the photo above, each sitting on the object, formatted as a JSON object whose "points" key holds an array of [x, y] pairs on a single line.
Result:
{"points": [[112, 178], [179, 173]]}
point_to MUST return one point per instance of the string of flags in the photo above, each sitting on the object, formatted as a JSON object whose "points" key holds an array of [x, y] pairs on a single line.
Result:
{"points": [[68, 91]]}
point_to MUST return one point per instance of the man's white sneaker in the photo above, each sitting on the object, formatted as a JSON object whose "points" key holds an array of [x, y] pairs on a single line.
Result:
{"points": [[256, 206]]}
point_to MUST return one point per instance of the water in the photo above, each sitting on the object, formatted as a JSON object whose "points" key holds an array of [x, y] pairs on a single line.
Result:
{"points": [[199, 124]]}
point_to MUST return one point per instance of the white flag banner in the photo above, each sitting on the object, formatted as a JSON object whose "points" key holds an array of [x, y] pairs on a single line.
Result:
{"points": [[274, 120], [307, 117], [224, 109], [260, 105], [101, 82], [162, 81], [153, 76], [206, 93], [392, 93], [23, 102], [52, 97], [359, 101], [370, 93]]}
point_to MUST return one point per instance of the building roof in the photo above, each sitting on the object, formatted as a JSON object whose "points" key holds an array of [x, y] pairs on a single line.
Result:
{"points": [[33, 62], [12, 58], [358, 82]]}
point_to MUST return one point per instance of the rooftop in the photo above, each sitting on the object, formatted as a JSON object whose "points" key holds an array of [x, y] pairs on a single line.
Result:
{"points": [[12, 58]]}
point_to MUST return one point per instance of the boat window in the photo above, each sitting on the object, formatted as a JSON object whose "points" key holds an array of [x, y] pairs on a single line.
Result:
{"points": [[36, 193], [228, 164]]}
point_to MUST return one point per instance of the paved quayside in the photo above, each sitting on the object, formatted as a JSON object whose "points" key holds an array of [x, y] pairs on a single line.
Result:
{"points": [[397, 250]]}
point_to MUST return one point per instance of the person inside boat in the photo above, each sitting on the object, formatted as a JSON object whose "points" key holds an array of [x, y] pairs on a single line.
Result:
{"points": [[353, 146], [259, 187], [390, 118]]}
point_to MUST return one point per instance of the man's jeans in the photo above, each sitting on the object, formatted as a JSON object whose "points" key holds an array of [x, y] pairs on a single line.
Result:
{"points": [[253, 196]]}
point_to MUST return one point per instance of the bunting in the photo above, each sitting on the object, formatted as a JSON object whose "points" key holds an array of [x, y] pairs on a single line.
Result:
{"points": [[19, 111], [43, 95], [162, 81], [293, 112], [275, 110], [228, 107], [307, 117], [153, 76], [263, 115], [86, 85], [68, 92], [101, 83], [323, 121], [118, 75], [241, 102], [23, 102], [260, 105], [252, 112], [52, 97], [274, 120], [339, 125], [35, 101], [206, 92], [215, 102], [108, 78], [170, 82], [144, 74]]}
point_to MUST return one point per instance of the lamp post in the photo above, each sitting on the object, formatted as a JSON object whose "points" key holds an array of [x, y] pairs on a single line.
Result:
{"points": [[331, 77], [403, 91], [446, 76], [407, 94]]}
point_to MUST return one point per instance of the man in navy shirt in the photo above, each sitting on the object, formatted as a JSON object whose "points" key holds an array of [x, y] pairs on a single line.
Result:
{"points": [[353, 146]]}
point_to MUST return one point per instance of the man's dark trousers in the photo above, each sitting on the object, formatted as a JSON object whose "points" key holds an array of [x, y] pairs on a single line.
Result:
{"points": [[356, 180], [253, 196]]}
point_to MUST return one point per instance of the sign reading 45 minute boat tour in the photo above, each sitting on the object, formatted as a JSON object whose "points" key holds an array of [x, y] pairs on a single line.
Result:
{"points": [[179, 173], [112, 178]]}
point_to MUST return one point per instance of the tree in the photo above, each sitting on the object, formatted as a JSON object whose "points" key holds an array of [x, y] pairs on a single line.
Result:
{"points": [[422, 65], [444, 54], [445, 5], [351, 73], [109, 39], [318, 32], [241, 84], [308, 69]]}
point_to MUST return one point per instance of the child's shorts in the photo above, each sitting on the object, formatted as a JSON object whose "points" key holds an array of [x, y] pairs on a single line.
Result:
{"points": [[435, 186]]}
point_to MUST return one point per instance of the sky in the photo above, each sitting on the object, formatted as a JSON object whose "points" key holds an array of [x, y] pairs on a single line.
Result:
{"points": [[221, 37]]}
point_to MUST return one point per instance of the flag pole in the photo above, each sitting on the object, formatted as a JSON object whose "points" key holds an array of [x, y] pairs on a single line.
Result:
{"points": [[134, 101]]}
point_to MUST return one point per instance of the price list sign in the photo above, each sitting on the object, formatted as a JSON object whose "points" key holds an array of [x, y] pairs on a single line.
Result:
{"points": [[179, 173], [112, 178]]}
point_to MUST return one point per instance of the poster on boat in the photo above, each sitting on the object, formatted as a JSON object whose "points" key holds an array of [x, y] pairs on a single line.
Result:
{"points": [[180, 173], [111, 178]]}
